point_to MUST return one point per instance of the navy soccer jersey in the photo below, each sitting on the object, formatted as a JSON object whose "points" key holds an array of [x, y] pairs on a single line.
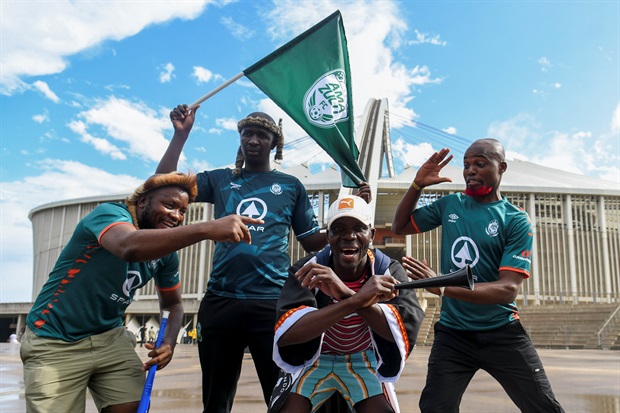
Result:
{"points": [[89, 288], [490, 237], [257, 270]]}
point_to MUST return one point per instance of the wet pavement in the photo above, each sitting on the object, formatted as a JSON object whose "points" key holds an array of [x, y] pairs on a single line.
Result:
{"points": [[584, 381]]}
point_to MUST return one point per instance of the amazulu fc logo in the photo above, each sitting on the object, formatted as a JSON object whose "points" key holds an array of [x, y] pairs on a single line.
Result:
{"points": [[253, 208], [492, 229], [325, 103], [464, 251]]}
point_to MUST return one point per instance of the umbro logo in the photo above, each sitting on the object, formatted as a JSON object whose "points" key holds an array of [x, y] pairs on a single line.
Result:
{"points": [[453, 217], [234, 185]]}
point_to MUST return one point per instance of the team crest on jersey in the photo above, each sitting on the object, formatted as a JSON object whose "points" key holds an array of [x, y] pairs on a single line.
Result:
{"points": [[492, 229], [326, 102], [464, 251], [276, 189]]}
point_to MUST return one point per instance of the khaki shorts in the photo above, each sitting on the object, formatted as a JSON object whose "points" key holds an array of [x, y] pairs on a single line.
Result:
{"points": [[57, 373]]}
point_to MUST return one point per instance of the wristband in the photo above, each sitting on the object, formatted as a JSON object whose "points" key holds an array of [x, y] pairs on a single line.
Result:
{"points": [[441, 289], [416, 186]]}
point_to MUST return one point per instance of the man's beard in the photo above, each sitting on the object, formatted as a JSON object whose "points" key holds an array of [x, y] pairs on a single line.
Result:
{"points": [[480, 191]]}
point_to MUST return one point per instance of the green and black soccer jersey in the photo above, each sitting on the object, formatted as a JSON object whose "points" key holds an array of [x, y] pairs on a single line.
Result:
{"points": [[89, 288], [257, 270], [490, 237]]}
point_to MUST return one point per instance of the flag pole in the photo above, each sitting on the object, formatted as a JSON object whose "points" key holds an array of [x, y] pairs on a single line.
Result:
{"points": [[217, 89]]}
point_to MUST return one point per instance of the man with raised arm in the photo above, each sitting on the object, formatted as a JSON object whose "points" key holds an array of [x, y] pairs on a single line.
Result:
{"points": [[478, 329]]}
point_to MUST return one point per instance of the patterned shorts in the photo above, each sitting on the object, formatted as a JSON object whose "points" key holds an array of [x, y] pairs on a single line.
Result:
{"points": [[352, 375]]}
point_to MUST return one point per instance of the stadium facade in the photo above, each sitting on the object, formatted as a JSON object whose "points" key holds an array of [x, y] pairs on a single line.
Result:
{"points": [[576, 222]]}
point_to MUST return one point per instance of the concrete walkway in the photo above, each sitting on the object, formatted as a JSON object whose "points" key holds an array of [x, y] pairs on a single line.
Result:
{"points": [[584, 381]]}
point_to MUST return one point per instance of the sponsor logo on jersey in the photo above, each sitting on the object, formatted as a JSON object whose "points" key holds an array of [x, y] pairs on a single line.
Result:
{"points": [[253, 208], [524, 256], [464, 251], [132, 282]]}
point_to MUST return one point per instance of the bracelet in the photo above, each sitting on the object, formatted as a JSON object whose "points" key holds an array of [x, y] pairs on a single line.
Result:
{"points": [[416, 186]]}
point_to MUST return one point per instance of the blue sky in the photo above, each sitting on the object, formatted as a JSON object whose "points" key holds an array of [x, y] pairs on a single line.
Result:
{"points": [[86, 88]]}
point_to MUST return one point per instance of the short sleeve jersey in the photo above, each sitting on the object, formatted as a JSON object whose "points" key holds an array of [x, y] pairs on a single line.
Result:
{"points": [[490, 237], [257, 270], [89, 288]]}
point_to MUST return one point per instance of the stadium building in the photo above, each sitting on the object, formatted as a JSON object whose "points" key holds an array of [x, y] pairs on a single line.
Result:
{"points": [[576, 219]]}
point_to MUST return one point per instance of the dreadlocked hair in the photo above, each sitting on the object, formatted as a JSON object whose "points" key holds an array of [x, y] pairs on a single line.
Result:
{"points": [[187, 182], [264, 121], [278, 156], [238, 162]]}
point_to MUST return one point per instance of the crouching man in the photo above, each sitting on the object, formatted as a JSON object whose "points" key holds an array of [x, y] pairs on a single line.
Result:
{"points": [[342, 328]]}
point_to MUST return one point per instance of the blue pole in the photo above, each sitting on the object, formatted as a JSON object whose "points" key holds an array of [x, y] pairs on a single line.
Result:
{"points": [[145, 400]]}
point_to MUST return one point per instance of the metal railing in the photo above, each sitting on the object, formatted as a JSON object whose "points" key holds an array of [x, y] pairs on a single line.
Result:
{"points": [[601, 331]]}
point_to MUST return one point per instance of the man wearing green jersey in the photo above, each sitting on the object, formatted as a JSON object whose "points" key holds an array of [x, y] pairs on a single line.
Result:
{"points": [[477, 329], [75, 338]]}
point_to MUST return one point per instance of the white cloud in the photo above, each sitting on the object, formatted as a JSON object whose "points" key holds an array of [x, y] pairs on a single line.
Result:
{"points": [[44, 49], [131, 129], [545, 64], [102, 145], [451, 130], [579, 152], [227, 123], [237, 30], [41, 117], [46, 91], [204, 75], [58, 180], [414, 155], [201, 165], [422, 38], [166, 74]]}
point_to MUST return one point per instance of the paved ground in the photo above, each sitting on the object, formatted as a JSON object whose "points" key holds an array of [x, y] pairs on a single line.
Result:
{"points": [[584, 381]]}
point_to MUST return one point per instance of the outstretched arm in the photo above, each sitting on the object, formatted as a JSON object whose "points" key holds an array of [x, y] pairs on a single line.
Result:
{"points": [[502, 291], [182, 120], [427, 175], [137, 245]]}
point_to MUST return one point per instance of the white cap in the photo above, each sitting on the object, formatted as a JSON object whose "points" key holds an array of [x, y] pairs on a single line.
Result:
{"points": [[350, 206]]}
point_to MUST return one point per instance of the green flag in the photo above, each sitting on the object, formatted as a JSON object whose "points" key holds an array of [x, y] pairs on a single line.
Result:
{"points": [[309, 78]]}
